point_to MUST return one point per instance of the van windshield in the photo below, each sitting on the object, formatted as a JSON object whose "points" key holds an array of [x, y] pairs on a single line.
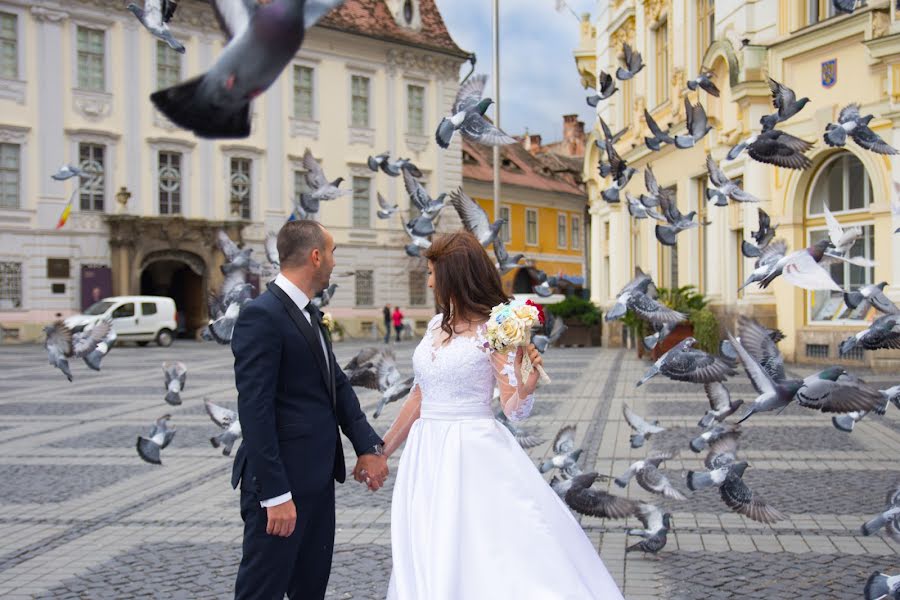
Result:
{"points": [[98, 308]]}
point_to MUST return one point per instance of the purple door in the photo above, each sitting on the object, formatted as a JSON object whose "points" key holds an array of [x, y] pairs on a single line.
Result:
{"points": [[96, 284]]}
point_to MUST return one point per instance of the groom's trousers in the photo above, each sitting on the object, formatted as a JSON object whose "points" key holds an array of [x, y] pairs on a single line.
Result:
{"points": [[298, 565]]}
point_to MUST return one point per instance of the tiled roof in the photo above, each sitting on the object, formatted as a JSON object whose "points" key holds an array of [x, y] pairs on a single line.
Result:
{"points": [[545, 171], [373, 18]]}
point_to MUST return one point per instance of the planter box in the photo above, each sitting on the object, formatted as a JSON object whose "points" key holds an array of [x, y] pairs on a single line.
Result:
{"points": [[579, 334], [681, 331]]}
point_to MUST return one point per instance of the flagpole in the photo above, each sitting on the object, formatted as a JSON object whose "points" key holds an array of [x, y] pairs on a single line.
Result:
{"points": [[496, 42]]}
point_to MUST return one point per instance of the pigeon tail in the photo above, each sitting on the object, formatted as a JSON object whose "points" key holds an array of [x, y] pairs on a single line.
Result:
{"points": [[877, 587], [611, 195], [185, 105], [843, 423], [148, 450], [650, 341], [853, 299], [593, 100], [666, 234], [699, 480], [683, 142], [637, 440], [847, 345], [736, 151], [93, 359], [222, 330], [835, 136], [714, 194], [652, 372], [173, 398], [444, 133], [749, 250], [698, 444], [747, 416], [707, 420]]}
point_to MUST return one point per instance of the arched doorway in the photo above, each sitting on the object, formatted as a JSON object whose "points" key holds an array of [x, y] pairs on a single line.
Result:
{"points": [[178, 275]]}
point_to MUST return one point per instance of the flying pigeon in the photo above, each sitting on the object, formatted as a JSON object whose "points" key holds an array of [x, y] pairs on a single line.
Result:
{"points": [[585, 500], [883, 333], [385, 209], [697, 125], [650, 310], [677, 222], [842, 239], [649, 477], [93, 358], [661, 332], [722, 450], [67, 172], [765, 371], [833, 390], [505, 262], [633, 63], [851, 123], [474, 218], [620, 172], [236, 258], [228, 421], [420, 226], [734, 492], [763, 236], [323, 298], [774, 147], [161, 435], [870, 295], [802, 269], [467, 117], [374, 162], [272, 250], [643, 429], [721, 406], [263, 37], [684, 363], [768, 257], [565, 455], [58, 344], [722, 188], [642, 283], [879, 586], [525, 438], [656, 527], [155, 17], [544, 289], [222, 327], [322, 189], [419, 197], [405, 164], [711, 435], [847, 421], [554, 328], [659, 136], [176, 375], [607, 137], [785, 101], [889, 518], [704, 81], [380, 373], [606, 86], [639, 210]]}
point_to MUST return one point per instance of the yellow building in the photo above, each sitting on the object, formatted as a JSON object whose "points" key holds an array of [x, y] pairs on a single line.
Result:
{"points": [[832, 59], [543, 201]]}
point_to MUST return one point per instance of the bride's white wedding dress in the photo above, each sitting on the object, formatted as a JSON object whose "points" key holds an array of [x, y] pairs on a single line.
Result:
{"points": [[471, 516]]}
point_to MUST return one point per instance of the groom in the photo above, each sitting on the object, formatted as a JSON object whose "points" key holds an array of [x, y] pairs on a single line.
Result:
{"points": [[292, 397]]}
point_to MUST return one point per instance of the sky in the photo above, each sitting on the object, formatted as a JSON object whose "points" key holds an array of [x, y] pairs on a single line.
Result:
{"points": [[539, 82]]}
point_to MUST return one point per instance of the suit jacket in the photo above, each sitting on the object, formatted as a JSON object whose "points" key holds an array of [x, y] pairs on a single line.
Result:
{"points": [[290, 408]]}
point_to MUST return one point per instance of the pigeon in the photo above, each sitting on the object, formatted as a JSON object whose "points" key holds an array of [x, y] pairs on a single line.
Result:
{"points": [[697, 126], [467, 117], [659, 136], [734, 492], [889, 518], [228, 421], [774, 147], [650, 310], [176, 375], [222, 328], [704, 81], [545, 288], [385, 209], [58, 344], [842, 239], [86, 341], [768, 257], [606, 87], [639, 210], [643, 429], [722, 450], [272, 250], [802, 269], [844, 6], [677, 222], [236, 259], [633, 63], [474, 219], [525, 438], [323, 298], [620, 172], [561, 483], [847, 421], [322, 189], [883, 333], [642, 283], [380, 373], [419, 198], [870, 295], [420, 226], [763, 236], [879, 586], [656, 528], [684, 363], [833, 390], [721, 406], [722, 188], [601, 142], [405, 164], [93, 358], [765, 369], [374, 162], [505, 262], [661, 332], [785, 101], [161, 435], [263, 37], [711, 435], [67, 172], [585, 500], [649, 477], [553, 329], [565, 455], [760, 342], [155, 17], [857, 127]]}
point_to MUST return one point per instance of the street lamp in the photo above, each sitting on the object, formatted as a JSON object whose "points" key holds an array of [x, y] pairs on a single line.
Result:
{"points": [[122, 197]]}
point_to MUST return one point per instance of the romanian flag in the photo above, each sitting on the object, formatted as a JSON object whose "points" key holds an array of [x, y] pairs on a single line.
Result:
{"points": [[66, 211]]}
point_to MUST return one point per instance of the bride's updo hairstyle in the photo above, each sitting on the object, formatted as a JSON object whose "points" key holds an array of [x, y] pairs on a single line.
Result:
{"points": [[466, 282]]}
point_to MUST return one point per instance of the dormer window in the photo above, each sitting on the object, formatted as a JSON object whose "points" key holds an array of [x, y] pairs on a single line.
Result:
{"points": [[406, 13], [468, 158]]}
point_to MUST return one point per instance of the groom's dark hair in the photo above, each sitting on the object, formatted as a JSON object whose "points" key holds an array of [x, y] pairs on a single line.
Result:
{"points": [[297, 239]]}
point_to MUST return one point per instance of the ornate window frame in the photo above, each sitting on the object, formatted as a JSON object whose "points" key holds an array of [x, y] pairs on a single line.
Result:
{"points": [[14, 89], [185, 148]]}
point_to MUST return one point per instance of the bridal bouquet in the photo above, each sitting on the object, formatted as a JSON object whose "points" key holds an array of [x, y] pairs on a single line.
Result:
{"points": [[509, 326]]}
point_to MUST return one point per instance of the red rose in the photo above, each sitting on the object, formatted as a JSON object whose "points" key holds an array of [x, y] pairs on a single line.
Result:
{"points": [[539, 308]]}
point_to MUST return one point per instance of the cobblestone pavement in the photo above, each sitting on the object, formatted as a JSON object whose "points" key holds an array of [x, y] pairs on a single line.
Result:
{"points": [[82, 517]]}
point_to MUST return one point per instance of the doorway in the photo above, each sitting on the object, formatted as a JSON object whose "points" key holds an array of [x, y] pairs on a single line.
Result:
{"points": [[176, 280]]}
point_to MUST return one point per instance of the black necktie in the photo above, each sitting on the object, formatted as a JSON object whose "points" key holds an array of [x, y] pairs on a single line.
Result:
{"points": [[314, 312], [316, 318]]}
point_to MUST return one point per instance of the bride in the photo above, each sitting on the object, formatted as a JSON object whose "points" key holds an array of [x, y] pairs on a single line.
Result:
{"points": [[471, 517]]}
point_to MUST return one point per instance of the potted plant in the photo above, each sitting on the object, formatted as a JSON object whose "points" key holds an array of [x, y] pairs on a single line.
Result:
{"points": [[700, 324], [582, 319]]}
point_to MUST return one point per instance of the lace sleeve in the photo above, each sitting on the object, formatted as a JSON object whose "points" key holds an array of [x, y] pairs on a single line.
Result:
{"points": [[516, 396], [401, 426]]}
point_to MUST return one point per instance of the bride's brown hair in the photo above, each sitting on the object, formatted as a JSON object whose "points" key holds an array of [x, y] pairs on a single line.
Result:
{"points": [[465, 278]]}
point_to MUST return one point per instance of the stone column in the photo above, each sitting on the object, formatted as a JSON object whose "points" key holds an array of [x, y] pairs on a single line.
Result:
{"points": [[50, 98], [133, 139], [596, 255]]}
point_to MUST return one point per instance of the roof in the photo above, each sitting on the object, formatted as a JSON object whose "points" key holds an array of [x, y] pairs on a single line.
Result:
{"points": [[545, 171], [373, 18]]}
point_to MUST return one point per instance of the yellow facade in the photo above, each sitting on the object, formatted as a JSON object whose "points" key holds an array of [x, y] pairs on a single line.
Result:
{"points": [[743, 46]]}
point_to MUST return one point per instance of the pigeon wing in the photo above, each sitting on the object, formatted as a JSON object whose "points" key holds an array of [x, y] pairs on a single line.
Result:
{"points": [[229, 248], [472, 215], [470, 93], [870, 140], [716, 175], [849, 113], [761, 380], [234, 15], [802, 270], [564, 442], [416, 192], [315, 176], [782, 96], [272, 249], [638, 423], [221, 416], [479, 129], [653, 311], [718, 395], [741, 499], [759, 344]]}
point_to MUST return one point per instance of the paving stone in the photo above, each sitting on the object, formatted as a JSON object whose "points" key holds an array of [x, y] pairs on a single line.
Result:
{"points": [[125, 436], [51, 408], [769, 438], [48, 484]]}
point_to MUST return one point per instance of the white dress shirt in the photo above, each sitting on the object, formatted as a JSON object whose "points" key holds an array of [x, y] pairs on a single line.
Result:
{"points": [[301, 300]]}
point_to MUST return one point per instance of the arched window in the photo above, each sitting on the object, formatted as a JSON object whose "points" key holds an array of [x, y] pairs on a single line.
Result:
{"points": [[842, 184]]}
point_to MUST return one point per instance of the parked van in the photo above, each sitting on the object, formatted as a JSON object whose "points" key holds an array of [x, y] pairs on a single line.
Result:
{"points": [[138, 319]]}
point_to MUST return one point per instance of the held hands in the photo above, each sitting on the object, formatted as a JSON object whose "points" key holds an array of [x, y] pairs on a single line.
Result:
{"points": [[371, 470], [281, 519], [536, 361]]}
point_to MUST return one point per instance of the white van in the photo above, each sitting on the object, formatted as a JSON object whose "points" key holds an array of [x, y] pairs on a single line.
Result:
{"points": [[138, 319]]}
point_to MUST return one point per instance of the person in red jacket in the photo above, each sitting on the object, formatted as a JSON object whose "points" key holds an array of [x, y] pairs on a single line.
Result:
{"points": [[397, 317]]}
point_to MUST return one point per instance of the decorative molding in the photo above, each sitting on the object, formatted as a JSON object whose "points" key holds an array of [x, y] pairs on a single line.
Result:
{"points": [[94, 106], [185, 145], [360, 170], [14, 134], [194, 262], [242, 149], [304, 128], [421, 62], [654, 9], [12, 89], [46, 15], [160, 120], [415, 142], [361, 135], [881, 24], [92, 135], [625, 33]]}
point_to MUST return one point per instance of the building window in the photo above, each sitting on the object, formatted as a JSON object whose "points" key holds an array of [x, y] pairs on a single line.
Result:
{"points": [[706, 27], [241, 185], [93, 185], [303, 92], [415, 109], [576, 233], [91, 59], [531, 228], [843, 185], [661, 43], [10, 175], [168, 65], [365, 288], [362, 212], [562, 233], [505, 231], [169, 183], [10, 285], [359, 101], [300, 185], [9, 46], [818, 10], [418, 286]]}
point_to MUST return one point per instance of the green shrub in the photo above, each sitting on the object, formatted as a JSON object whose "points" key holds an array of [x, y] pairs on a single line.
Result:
{"points": [[684, 299], [706, 329], [575, 308]]}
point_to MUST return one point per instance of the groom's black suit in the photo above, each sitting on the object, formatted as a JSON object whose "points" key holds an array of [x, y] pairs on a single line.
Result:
{"points": [[291, 400]]}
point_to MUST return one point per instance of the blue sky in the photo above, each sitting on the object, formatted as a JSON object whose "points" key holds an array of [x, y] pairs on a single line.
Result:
{"points": [[538, 82]]}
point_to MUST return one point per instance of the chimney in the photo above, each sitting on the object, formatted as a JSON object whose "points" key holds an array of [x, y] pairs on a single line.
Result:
{"points": [[531, 142], [573, 135]]}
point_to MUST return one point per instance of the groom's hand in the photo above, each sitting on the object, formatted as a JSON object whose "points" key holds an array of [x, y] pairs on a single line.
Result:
{"points": [[281, 519], [372, 469]]}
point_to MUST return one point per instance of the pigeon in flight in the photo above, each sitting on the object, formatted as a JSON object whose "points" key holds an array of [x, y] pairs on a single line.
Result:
{"points": [[851, 123], [94, 357], [633, 63], [620, 172], [607, 138], [649, 476], [774, 147], [375, 162], [226, 419], [768, 257], [553, 329], [84, 343], [722, 188], [161, 435], [606, 87], [802, 269], [236, 258], [272, 250], [565, 455], [385, 209], [847, 421], [176, 375], [721, 406], [661, 332], [722, 450], [765, 369], [712, 435], [322, 189], [642, 283], [734, 492], [697, 125], [585, 500], [833, 390], [656, 528], [785, 101], [889, 518], [155, 17], [659, 138], [380, 373], [468, 117], [263, 37], [525, 438], [763, 236], [685, 363], [224, 309], [58, 344], [650, 310], [544, 289], [677, 222], [643, 429], [639, 210], [505, 262], [882, 334], [67, 172], [704, 81], [842, 239], [844, 6], [879, 586], [870, 295], [323, 298], [420, 198], [474, 218]]}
